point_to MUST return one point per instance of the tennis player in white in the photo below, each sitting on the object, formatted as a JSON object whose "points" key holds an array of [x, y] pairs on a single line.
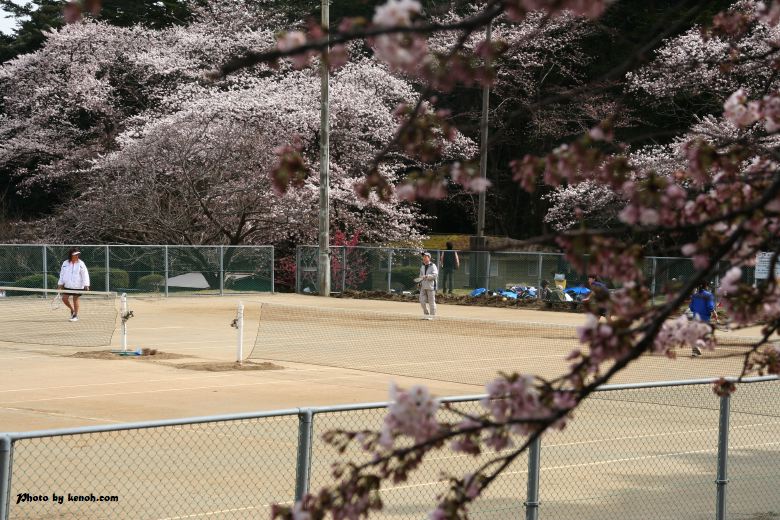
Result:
{"points": [[427, 280], [73, 275]]}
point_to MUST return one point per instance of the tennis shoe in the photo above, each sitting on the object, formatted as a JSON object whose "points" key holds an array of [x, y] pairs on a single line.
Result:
{"points": [[74, 318], [696, 351]]}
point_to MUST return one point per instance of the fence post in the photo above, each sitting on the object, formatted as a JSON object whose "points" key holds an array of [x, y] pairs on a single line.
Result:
{"points": [[45, 268], [343, 269], [723, 451], [541, 275], [487, 271], [652, 286], [532, 497], [273, 270], [165, 259], [298, 269], [221, 270], [390, 271], [5, 476], [108, 270], [303, 466]]}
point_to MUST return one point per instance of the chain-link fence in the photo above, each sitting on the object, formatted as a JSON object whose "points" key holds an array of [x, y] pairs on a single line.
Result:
{"points": [[393, 270], [145, 269], [657, 450]]}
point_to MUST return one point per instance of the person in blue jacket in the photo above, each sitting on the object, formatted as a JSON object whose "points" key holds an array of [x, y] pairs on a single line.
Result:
{"points": [[702, 304], [702, 307]]}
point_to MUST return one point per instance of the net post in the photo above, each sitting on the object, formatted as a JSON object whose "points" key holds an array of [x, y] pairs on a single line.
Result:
{"points": [[240, 328], [6, 445], [532, 497], [165, 261], [124, 321], [723, 451], [303, 465]]}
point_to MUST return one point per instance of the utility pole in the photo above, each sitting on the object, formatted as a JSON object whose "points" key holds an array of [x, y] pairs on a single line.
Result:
{"points": [[323, 267], [483, 151], [483, 264]]}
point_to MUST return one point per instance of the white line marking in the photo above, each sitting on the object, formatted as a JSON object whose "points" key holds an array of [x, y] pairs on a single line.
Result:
{"points": [[56, 414], [259, 383]]}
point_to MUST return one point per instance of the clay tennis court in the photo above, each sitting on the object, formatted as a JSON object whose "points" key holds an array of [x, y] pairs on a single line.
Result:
{"points": [[45, 386], [236, 469]]}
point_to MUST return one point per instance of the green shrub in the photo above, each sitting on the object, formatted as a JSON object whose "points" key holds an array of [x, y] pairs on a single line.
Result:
{"points": [[404, 276], [150, 282], [249, 283], [119, 279], [35, 281]]}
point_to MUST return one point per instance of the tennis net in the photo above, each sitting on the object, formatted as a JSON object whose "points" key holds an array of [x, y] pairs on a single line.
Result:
{"points": [[460, 350], [39, 316]]}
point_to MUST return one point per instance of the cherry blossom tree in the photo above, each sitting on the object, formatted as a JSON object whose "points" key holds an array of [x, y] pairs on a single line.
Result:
{"points": [[201, 174], [67, 102], [101, 107]]}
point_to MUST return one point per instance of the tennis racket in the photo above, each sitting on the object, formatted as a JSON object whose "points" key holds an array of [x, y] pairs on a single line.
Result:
{"points": [[56, 302]]}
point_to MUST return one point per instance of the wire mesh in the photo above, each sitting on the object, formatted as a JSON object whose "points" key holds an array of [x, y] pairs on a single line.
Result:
{"points": [[145, 270], [629, 453], [416, 497], [137, 270], [647, 452], [362, 268], [42, 318], [468, 351], [194, 270], [248, 269], [754, 452], [226, 469], [22, 266]]}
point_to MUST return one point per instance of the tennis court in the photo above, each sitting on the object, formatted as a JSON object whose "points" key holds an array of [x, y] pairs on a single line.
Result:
{"points": [[235, 469], [342, 361]]}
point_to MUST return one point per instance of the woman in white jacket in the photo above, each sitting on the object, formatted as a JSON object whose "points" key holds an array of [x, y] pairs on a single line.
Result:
{"points": [[73, 275]]}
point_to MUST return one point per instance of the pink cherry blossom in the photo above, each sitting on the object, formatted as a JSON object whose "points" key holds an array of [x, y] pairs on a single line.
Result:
{"points": [[397, 12], [411, 413]]}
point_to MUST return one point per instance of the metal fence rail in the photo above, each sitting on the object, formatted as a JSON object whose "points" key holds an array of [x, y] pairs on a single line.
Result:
{"points": [[362, 268], [157, 269], [660, 450]]}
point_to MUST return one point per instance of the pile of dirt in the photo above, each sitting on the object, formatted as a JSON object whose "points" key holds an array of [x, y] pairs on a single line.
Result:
{"points": [[226, 366], [146, 354]]}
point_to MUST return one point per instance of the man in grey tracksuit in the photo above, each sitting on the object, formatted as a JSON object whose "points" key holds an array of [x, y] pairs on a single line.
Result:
{"points": [[428, 275]]}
